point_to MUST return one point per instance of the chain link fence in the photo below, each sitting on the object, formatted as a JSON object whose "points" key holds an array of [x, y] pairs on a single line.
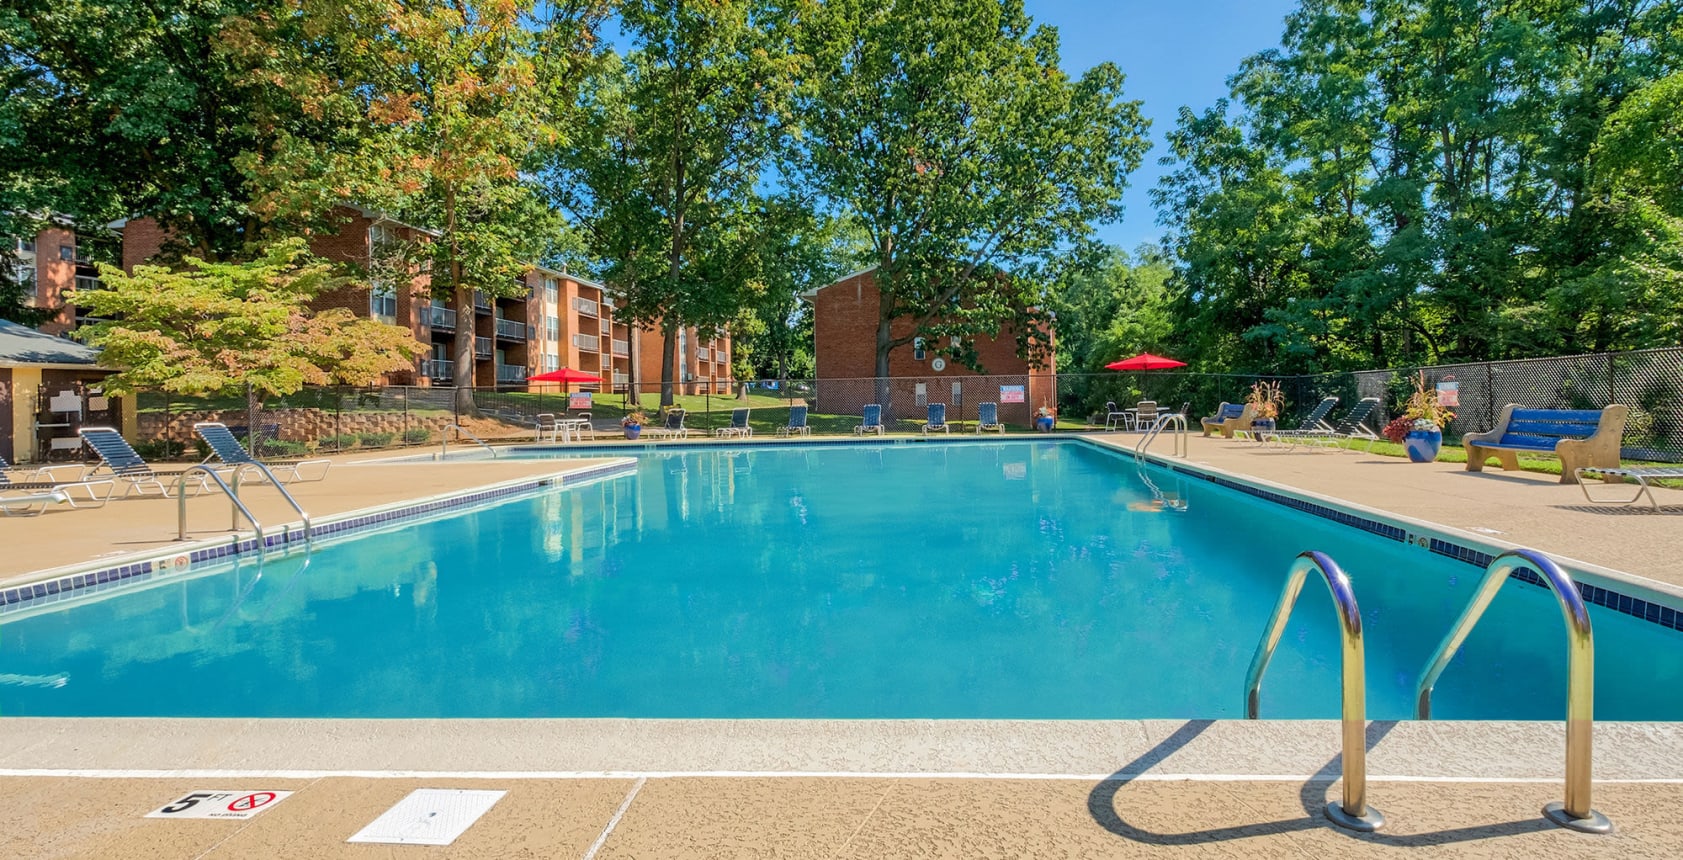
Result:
{"points": [[1650, 382]]}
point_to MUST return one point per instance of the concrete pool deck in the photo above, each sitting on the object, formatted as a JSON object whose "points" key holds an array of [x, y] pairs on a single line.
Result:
{"points": [[867, 789]]}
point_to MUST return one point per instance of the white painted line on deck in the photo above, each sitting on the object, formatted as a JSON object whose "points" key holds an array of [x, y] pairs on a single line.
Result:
{"points": [[641, 775], [614, 822]]}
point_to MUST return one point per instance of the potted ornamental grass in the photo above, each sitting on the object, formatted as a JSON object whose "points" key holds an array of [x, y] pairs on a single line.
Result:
{"points": [[1267, 400], [633, 423], [1420, 428]]}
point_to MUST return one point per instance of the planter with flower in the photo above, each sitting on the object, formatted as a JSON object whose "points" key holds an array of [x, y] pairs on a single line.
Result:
{"points": [[633, 423], [1266, 400], [1420, 429], [1044, 418]]}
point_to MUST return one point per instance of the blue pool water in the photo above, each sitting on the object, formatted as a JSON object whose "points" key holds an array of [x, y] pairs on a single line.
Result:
{"points": [[973, 580]]}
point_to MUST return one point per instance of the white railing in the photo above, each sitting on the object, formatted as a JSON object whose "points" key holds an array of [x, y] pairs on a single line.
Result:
{"points": [[703, 354], [442, 319], [482, 347], [622, 378], [622, 347], [511, 329], [585, 306], [587, 342], [607, 326], [511, 373], [438, 369]]}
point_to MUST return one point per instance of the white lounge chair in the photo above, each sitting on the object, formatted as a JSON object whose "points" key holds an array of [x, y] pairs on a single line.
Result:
{"points": [[225, 446], [1639, 474]]}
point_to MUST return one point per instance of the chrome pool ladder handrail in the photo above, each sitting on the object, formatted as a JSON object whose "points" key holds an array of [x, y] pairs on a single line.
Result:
{"points": [[1167, 419], [444, 440], [1352, 812], [1575, 812], [233, 496]]}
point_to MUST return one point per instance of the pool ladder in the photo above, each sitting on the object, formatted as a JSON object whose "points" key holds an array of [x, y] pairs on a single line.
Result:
{"points": [[444, 441], [1166, 420], [1352, 811], [237, 507]]}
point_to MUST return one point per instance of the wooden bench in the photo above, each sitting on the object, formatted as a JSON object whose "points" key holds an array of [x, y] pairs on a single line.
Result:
{"points": [[1581, 438], [1228, 418]]}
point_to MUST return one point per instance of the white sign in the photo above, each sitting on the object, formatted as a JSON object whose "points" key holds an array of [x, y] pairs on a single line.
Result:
{"points": [[429, 816], [938, 365], [219, 804], [580, 400], [1010, 394], [1449, 394]]}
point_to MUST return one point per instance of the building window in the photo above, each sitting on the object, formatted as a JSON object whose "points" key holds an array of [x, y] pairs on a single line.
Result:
{"points": [[67, 253], [922, 394], [382, 302], [26, 246], [87, 282], [26, 276], [917, 349], [552, 328], [552, 362], [958, 393], [552, 290]]}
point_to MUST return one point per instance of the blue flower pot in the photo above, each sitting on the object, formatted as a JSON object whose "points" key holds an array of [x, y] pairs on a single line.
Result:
{"points": [[633, 430], [1422, 445], [1044, 422]]}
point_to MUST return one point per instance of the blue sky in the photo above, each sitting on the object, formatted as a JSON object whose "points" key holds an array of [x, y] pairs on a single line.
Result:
{"points": [[1174, 52]]}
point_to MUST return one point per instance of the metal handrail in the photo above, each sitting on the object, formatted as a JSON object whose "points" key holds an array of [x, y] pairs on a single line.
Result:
{"points": [[1352, 812], [279, 488], [1167, 419], [444, 440], [233, 496], [1575, 813]]}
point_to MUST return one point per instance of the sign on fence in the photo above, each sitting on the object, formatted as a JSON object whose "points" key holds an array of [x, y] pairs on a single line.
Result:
{"points": [[1011, 394], [1449, 393], [581, 400]]}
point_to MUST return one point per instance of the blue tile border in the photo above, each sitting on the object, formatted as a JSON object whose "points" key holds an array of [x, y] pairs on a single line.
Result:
{"points": [[1636, 607], [81, 584]]}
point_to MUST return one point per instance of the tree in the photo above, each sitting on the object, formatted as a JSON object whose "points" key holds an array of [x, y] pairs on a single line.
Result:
{"points": [[215, 328], [674, 137], [450, 101], [946, 132]]}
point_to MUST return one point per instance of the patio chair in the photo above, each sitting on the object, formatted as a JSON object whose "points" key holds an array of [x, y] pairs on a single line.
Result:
{"points": [[127, 466], [1115, 419], [225, 446], [797, 422], [23, 489], [871, 422], [1353, 427], [1145, 414], [1614, 475], [738, 424], [937, 419], [987, 418], [1313, 424], [673, 426], [1229, 418]]}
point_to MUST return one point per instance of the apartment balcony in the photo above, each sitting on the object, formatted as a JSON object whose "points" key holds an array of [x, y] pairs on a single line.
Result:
{"points": [[586, 307], [511, 373], [607, 327], [622, 378], [587, 342], [511, 330], [704, 354], [441, 319], [622, 347], [482, 347], [480, 302], [438, 369]]}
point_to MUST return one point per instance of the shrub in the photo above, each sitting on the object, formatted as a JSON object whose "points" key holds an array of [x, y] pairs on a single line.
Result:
{"points": [[1398, 429], [340, 441], [377, 440], [417, 436], [283, 448], [159, 449]]}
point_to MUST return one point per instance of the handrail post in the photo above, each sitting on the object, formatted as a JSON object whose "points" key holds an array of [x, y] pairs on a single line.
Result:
{"points": [[181, 495], [1575, 812], [1352, 812]]}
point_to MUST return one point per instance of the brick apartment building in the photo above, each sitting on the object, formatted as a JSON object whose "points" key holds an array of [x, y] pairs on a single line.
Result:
{"points": [[54, 260], [554, 320], [845, 348]]}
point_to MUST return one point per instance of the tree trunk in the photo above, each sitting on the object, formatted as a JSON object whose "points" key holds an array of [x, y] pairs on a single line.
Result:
{"points": [[466, 324], [883, 347], [668, 363], [632, 376]]}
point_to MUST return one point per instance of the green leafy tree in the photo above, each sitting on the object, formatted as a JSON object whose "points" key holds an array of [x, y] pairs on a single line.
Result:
{"points": [[673, 140], [449, 102], [946, 132], [216, 328]]}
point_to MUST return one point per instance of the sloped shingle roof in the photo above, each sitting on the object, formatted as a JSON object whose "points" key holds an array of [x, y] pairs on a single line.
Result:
{"points": [[21, 345]]}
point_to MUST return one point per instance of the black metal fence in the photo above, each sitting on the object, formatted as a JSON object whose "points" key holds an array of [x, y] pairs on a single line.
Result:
{"points": [[1650, 382]]}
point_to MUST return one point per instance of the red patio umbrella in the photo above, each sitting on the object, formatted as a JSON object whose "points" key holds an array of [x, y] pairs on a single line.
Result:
{"points": [[1145, 361]]}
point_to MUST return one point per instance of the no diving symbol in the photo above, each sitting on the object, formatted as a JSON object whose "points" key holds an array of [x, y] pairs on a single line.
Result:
{"points": [[252, 801]]}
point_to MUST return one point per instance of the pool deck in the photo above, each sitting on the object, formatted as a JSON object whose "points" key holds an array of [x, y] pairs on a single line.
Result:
{"points": [[865, 789]]}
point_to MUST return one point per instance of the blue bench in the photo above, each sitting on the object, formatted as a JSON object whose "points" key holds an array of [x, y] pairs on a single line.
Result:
{"points": [[1581, 438]]}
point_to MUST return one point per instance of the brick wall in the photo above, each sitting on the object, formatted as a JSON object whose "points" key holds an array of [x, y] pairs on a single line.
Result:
{"points": [[53, 276]]}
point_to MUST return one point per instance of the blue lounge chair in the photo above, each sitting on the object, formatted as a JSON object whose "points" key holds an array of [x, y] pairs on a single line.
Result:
{"points": [[797, 423], [987, 418], [738, 424], [937, 419], [127, 466], [872, 420], [1313, 424], [225, 446], [673, 427]]}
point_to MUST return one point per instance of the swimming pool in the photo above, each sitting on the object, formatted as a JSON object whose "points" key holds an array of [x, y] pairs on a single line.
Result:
{"points": [[1014, 579]]}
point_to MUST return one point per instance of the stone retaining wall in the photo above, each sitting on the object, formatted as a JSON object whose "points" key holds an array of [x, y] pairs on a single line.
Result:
{"points": [[296, 425]]}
